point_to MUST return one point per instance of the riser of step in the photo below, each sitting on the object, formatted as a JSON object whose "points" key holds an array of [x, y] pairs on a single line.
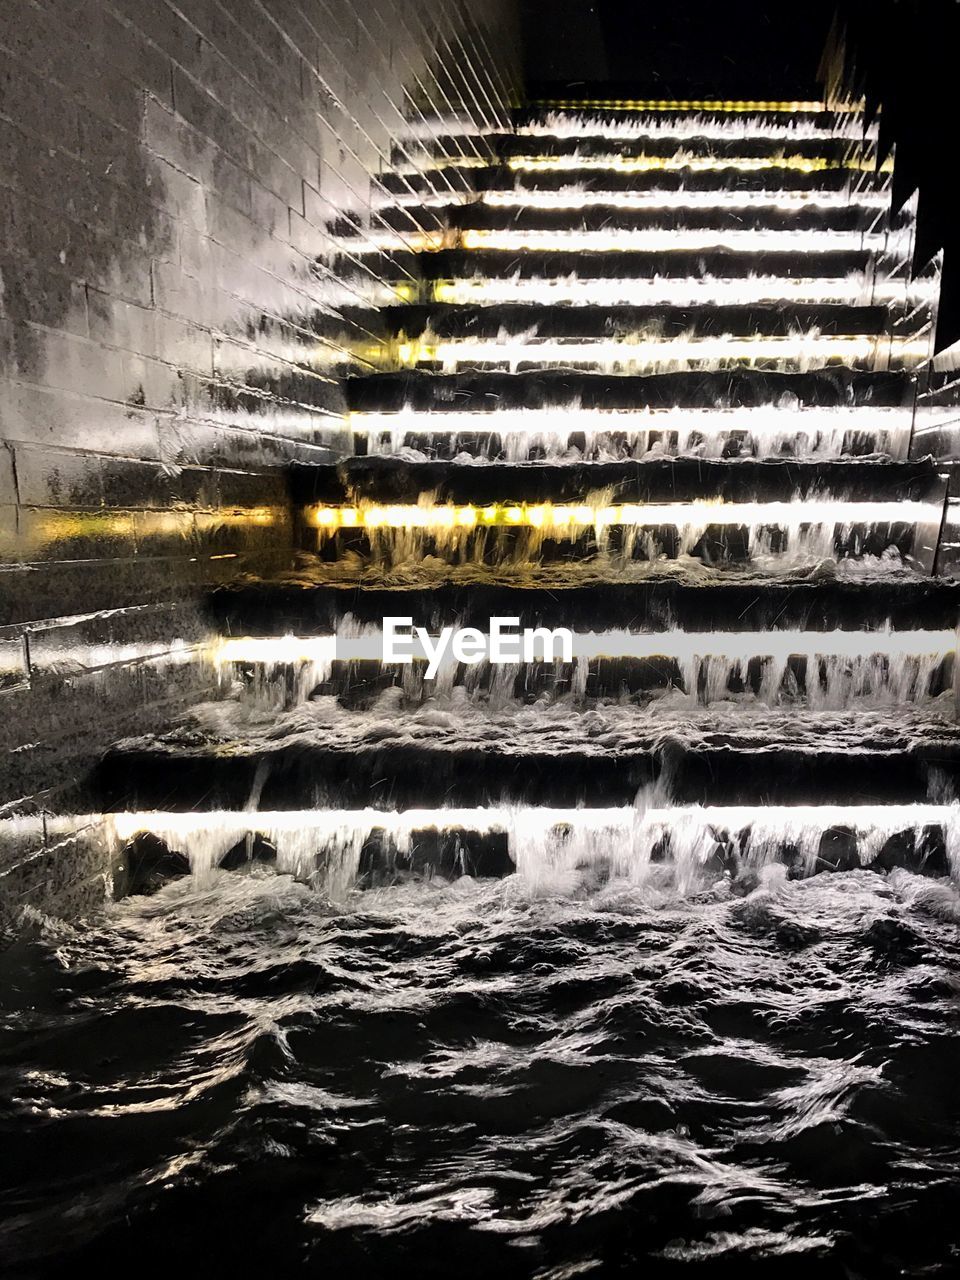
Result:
{"points": [[811, 218], [496, 177], [566, 435], [309, 775], [601, 323], [831, 151], [425, 392], [278, 608], [394, 480], [625, 111], [820, 683], [852, 221], [612, 264], [452, 849]]}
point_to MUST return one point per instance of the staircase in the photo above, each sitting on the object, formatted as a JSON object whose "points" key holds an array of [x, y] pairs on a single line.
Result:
{"points": [[655, 385]]}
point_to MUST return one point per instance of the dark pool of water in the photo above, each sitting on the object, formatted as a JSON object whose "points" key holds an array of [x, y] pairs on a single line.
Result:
{"points": [[468, 1080]]}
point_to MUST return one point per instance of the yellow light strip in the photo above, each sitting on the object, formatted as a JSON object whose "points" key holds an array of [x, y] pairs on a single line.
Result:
{"points": [[667, 240], [695, 164], [386, 240], [686, 104], [571, 518]]}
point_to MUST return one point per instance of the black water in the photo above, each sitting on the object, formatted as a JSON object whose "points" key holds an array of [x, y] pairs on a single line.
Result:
{"points": [[475, 1079]]}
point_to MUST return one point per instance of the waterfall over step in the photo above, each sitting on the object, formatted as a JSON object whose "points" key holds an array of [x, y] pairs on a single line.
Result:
{"points": [[650, 384]]}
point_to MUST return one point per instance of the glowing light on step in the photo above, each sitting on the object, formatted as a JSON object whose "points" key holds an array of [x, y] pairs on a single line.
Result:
{"points": [[326, 846], [676, 126], [682, 646], [573, 517], [173, 827], [807, 350], [692, 163], [853, 290], [395, 241], [768, 428], [574, 198], [663, 240], [734, 106]]}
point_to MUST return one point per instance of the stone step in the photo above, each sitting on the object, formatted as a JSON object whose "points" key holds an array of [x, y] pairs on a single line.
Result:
{"points": [[495, 176], [570, 433], [319, 755], [601, 323], [609, 263], [297, 606], [847, 224], [662, 482], [538, 388]]}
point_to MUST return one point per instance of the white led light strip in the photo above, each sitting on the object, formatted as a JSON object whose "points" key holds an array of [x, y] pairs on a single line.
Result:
{"points": [[767, 421], [732, 128], [665, 240], [573, 196], [719, 350], [326, 846], [683, 646], [695, 164], [697, 291], [521, 820]]}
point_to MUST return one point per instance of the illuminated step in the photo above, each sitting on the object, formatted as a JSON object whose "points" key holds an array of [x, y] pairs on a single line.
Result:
{"points": [[633, 513], [770, 182], [786, 821], [650, 354], [681, 646], [762, 221], [618, 239], [713, 291], [635, 267], [725, 106], [686, 162], [786, 127], [569, 518], [294, 606], [337, 847], [766, 430], [75, 659], [574, 197], [545, 388], [667, 240], [735, 321], [553, 750], [724, 484], [828, 669]]}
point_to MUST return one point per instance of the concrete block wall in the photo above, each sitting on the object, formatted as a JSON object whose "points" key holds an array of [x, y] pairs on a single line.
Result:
{"points": [[177, 310]]}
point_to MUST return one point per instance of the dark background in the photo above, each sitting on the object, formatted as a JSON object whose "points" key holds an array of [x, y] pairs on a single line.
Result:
{"points": [[903, 53]]}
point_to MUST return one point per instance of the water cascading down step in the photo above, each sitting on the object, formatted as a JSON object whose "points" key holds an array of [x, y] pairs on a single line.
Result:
{"points": [[647, 399]]}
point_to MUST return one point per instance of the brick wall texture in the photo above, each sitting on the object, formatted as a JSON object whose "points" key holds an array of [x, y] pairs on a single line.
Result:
{"points": [[175, 307], [168, 320]]}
